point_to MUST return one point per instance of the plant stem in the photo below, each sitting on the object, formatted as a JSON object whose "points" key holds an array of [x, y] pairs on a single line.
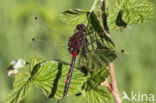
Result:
{"points": [[104, 9], [112, 87], [93, 6]]}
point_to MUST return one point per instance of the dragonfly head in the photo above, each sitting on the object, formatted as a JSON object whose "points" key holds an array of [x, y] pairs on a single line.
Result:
{"points": [[81, 27]]}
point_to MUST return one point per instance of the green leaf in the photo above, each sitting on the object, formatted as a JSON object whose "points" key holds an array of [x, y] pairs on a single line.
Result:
{"points": [[74, 16], [34, 61], [96, 78], [98, 58], [95, 23], [21, 86], [50, 79], [75, 11], [131, 12], [97, 95], [140, 11], [98, 32], [112, 18]]}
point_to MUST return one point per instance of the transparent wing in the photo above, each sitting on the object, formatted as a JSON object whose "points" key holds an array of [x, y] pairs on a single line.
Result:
{"points": [[48, 41], [100, 57], [119, 38], [122, 55]]}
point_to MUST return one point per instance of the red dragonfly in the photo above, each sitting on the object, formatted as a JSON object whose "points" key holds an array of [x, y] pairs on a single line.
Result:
{"points": [[77, 42]]}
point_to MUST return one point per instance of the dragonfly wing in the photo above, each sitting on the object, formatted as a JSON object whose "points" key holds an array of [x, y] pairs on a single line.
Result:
{"points": [[48, 42], [45, 31], [122, 55], [95, 59], [98, 55], [119, 38]]}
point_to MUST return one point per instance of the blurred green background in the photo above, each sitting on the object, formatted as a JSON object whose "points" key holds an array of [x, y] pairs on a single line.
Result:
{"points": [[135, 73]]}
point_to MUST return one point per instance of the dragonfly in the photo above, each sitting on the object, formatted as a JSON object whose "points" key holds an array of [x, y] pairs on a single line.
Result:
{"points": [[75, 44]]}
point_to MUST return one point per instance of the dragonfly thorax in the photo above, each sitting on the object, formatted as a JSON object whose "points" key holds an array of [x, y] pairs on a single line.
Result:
{"points": [[75, 43]]}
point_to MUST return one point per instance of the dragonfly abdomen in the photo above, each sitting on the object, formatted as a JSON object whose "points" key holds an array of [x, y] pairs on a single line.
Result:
{"points": [[69, 76]]}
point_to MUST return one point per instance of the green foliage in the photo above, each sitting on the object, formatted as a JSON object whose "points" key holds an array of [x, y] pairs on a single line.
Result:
{"points": [[93, 23], [96, 59], [21, 87], [50, 79], [96, 78], [98, 33], [130, 12], [73, 16], [97, 95], [50, 76], [100, 45], [34, 62]]}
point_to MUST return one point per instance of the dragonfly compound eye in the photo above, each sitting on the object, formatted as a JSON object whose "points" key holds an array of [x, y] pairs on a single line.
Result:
{"points": [[78, 27], [81, 27]]}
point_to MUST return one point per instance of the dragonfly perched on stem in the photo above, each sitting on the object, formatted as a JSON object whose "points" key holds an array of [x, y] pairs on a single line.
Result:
{"points": [[78, 45]]}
